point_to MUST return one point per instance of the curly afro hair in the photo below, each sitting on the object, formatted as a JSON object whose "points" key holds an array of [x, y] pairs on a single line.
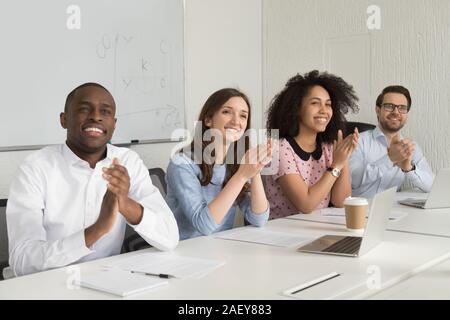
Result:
{"points": [[283, 113]]}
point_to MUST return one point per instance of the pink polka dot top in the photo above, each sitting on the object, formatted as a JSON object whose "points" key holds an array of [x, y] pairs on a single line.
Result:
{"points": [[289, 156]]}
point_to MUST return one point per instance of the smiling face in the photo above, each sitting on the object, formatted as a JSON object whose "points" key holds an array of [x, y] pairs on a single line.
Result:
{"points": [[231, 119], [89, 120], [392, 122], [315, 110]]}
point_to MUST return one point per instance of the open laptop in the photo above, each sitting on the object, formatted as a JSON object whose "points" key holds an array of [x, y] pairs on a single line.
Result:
{"points": [[438, 197], [354, 246]]}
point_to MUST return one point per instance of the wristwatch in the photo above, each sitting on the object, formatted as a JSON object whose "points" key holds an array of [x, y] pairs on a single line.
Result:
{"points": [[335, 172], [413, 167]]}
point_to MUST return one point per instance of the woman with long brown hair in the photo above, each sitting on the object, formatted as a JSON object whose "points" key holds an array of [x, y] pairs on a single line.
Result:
{"points": [[218, 172]]}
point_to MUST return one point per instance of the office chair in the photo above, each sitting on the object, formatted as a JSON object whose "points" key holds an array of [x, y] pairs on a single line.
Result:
{"points": [[3, 238], [362, 126], [158, 177], [133, 241]]}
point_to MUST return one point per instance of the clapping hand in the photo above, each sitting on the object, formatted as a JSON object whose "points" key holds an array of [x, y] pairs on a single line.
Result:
{"points": [[400, 152], [255, 160], [343, 148]]}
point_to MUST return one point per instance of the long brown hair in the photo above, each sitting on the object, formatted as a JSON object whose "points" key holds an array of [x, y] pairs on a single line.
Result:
{"points": [[212, 105]]}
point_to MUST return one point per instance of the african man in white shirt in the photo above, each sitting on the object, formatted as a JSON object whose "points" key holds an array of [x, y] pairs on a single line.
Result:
{"points": [[384, 158], [71, 202]]}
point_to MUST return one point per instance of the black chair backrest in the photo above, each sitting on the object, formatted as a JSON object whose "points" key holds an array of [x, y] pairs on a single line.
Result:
{"points": [[133, 241], [3, 238], [158, 177], [362, 126]]}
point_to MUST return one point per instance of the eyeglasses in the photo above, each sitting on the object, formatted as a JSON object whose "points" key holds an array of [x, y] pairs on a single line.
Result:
{"points": [[391, 107]]}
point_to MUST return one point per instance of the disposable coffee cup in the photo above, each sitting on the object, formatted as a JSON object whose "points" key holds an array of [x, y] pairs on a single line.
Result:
{"points": [[355, 214]]}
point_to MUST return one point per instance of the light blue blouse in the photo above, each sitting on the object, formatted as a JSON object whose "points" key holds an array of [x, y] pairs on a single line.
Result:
{"points": [[189, 200]]}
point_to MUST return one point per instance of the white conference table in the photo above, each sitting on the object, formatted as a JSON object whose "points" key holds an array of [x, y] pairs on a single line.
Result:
{"points": [[432, 222], [433, 283], [255, 271]]}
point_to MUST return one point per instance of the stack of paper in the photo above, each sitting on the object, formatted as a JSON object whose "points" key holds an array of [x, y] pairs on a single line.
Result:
{"points": [[340, 212], [263, 236], [120, 282], [169, 264]]}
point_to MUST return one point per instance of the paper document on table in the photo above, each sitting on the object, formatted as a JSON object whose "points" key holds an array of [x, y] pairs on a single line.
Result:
{"points": [[119, 282], [332, 212], [263, 236], [340, 212], [397, 215], [169, 264]]}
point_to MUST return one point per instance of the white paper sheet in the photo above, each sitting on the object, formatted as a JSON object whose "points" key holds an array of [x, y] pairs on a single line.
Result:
{"points": [[340, 212], [120, 282], [263, 236], [168, 263], [331, 212]]}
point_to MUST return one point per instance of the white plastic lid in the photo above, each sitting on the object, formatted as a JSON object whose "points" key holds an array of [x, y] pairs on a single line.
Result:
{"points": [[354, 201]]}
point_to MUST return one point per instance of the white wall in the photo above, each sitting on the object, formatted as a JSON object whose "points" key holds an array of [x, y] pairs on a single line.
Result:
{"points": [[222, 48], [412, 48]]}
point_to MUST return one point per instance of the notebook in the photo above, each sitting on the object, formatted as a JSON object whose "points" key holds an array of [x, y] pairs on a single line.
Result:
{"points": [[167, 263], [119, 282]]}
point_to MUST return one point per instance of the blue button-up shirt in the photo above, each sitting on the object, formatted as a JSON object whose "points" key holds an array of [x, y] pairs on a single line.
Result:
{"points": [[372, 171]]}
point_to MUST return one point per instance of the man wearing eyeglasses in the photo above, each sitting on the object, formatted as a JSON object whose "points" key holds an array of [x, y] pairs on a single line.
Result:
{"points": [[383, 158]]}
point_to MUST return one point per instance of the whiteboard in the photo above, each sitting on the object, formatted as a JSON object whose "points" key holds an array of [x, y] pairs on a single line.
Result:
{"points": [[132, 47]]}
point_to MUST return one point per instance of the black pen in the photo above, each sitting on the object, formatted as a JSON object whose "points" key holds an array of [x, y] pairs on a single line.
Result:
{"points": [[312, 283], [161, 275]]}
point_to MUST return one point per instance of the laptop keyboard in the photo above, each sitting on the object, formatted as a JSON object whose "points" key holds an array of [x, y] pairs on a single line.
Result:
{"points": [[348, 245]]}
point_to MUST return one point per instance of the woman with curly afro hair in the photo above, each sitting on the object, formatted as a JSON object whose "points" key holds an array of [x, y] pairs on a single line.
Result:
{"points": [[313, 155]]}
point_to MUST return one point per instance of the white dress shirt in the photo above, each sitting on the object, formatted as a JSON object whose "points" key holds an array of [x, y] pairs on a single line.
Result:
{"points": [[372, 171], [55, 196]]}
